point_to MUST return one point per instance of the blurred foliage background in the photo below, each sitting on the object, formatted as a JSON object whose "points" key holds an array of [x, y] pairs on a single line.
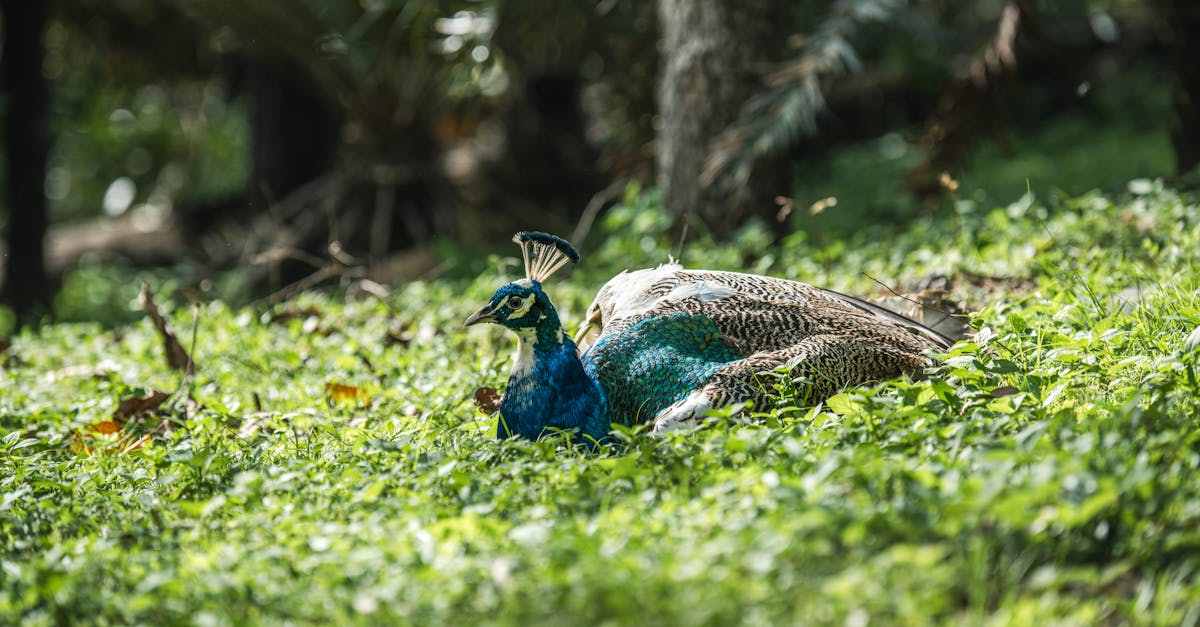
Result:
{"points": [[254, 148]]}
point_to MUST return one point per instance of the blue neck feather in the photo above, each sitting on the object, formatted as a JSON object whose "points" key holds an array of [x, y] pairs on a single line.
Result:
{"points": [[549, 390]]}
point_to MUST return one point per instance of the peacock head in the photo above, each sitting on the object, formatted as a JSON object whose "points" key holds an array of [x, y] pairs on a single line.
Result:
{"points": [[517, 305], [522, 304]]}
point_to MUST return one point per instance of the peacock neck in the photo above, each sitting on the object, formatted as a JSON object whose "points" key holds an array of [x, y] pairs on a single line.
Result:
{"points": [[549, 389]]}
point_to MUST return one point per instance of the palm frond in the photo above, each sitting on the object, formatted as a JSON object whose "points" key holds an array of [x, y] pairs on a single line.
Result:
{"points": [[788, 108]]}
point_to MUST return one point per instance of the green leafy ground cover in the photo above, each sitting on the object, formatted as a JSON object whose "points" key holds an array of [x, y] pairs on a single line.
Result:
{"points": [[1046, 473]]}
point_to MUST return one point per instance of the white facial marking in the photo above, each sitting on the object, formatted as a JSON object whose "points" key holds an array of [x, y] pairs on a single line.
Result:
{"points": [[520, 305]]}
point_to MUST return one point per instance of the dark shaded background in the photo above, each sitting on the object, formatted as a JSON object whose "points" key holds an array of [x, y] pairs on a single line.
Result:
{"points": [[293, 143]]}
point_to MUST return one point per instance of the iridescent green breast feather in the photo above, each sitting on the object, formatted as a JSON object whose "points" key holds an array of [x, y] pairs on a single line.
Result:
{"points": [[656, 362]]}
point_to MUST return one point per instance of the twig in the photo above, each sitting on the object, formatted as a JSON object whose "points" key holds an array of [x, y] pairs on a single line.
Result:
{"points": [[306, 283], [682, 238], [280, 253], [177, 358], [313, 280], [187, 373], [918, 303]]}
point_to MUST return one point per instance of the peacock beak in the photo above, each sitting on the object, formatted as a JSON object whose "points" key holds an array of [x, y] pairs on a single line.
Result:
{"points": [[483, 315]]}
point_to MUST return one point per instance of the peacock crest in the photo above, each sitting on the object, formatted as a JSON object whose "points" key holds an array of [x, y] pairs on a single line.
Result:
{"points": [[544, 254]]}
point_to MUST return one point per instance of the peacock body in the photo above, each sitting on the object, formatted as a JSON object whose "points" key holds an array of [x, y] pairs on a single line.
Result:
{"points": [[665, 345]]}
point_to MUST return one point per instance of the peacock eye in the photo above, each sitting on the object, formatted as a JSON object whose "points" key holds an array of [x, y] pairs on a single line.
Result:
{"points": [[515, 302]]}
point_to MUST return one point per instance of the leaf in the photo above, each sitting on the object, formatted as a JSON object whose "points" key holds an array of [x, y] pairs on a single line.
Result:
{"points": [[1004, 390], [108, 427], [373, 491], [134, 405], [1003, 366], [213, 504], [1192, 341], [447, 468], [79, 444], [341, 394], [487, 400], [925, 395], [27, 442], [177, 358], [842, 404], [108, 437], [114, 436]]}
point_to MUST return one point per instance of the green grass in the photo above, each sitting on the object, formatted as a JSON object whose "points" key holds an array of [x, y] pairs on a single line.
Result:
{"points": [[1046, 473]]}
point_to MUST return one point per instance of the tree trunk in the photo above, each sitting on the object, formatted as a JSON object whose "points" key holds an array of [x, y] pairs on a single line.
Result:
{"points": [[294, 133], [27, 142], [547, 170], [1185, 116], [714, 53]]}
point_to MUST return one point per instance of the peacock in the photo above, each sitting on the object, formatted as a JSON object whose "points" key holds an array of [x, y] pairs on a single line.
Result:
{"points": [[666, 345]]}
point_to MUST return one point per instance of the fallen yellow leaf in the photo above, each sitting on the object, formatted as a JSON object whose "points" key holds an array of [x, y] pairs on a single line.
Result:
{"points": [[341, 394]]}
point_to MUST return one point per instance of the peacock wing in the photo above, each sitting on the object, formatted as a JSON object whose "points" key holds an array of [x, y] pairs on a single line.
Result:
{"points": [[752, 312]]}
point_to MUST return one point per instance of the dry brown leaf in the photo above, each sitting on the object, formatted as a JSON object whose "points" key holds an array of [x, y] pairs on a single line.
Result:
{"points": [[129, 407], [177, 358], [106, 438], [1004, 390], [821, 205], [785, 208], [114, 436], [107, 427], [487, 400]]}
